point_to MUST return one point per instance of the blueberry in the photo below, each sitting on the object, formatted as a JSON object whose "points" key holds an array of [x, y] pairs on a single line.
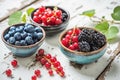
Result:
{"points": [[27, 24], [29, 34], [11, 33], [35, 40], [23, 35], [19, 29], [12, 28], [17, 36], [17, 43], [37, 29], [23, 43], [29, 40], [39, 35], [11, 40], [6, 37], [30, 29], [35, 35]]}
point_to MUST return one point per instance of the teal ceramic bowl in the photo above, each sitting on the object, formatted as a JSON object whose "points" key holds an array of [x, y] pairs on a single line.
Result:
{"points": [[81, 57], [23, 51]]}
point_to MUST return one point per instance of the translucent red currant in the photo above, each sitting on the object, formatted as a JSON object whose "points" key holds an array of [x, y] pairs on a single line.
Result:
{"points": [[37, 73], [41, 52], [8, 72], [50, 72], [34, 77], [14, 63]]}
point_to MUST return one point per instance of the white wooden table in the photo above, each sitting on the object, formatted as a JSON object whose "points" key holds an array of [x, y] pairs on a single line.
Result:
{"points": [[106, 68]]}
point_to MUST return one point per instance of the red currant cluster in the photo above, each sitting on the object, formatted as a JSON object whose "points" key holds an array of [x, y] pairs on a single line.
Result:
{"points": [[8, 72], [71, 39], [50, 62], [48, 16]]}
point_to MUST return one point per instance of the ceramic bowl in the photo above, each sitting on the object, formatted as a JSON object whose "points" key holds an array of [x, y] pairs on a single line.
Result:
{"points": [[53, 29], [81, 57], [23, 51]]}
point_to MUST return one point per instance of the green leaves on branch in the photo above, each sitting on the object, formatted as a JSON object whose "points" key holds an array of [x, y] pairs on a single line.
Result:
{"points": [[19, 16], [89, 13], [109, 31], [116, 13]]}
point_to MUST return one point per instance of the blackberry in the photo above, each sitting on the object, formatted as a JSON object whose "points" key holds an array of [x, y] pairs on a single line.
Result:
{"points": [[84, 46], [64, 16], [85, 35], [99, 39]]}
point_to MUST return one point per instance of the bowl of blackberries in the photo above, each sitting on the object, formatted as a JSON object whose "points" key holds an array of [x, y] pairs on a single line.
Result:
{"points": [[23, 39], [51, 18], [82, 45]]}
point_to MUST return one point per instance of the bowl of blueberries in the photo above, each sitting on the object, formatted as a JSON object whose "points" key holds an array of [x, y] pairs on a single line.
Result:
{"points": [[51, 18], [23, 39], [82, 45]]}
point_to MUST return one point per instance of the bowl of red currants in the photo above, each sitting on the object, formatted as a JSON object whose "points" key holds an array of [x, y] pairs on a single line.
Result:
{"points": [[23, 39], [82, 45], [51, 18]]}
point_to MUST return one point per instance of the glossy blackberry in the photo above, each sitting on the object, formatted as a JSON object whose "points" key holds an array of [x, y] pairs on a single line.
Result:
{"points": [[85, 35], [99, 39], [64, 16], [84, 46]]}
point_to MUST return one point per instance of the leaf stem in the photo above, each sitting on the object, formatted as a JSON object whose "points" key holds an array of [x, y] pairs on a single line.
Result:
{"points": [[98, 20]]}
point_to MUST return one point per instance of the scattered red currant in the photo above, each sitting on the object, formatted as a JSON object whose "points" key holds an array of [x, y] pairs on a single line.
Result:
{"points": [[8, 72], [37, 73], [34, 77], [47, 65], [14, 63], [41, 52], [50, 72]]}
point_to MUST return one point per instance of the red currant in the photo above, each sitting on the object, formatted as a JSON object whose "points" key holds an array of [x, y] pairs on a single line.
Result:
{"points": [[65, 42], [77, 31], [75, 39], [36, 19], [62, 74], [71, 47], [76, 45], [59, 68], [44, 18], [48, 56], [42, 9], [8, 72], [43, 61], [58, 13], [56, 63], [34, 77], [68, 36], [58, 21], [37, 73], [50, 72], [14, 63], [41, 52], [36, 13], [53, 59], [70, 32], [47, 65]]}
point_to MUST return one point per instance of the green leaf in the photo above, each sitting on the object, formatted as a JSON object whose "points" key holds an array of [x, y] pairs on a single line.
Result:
{"points": [[102, 27], [15, 18], [116, 13], [89, 13], [112, 32], [30, 10], [24, 18]]}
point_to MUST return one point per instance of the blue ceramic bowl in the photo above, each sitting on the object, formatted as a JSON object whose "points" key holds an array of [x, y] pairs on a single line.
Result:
{"points": [[81, 57], [23, 51], [54, 29]]}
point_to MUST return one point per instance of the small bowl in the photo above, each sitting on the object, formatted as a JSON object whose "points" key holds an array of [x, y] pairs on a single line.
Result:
{"points": [[81, 57], [23, 51], [53, 29]]}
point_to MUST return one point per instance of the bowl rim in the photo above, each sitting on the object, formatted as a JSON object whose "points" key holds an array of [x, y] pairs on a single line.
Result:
{"points": [[28, 46], [81, 53], [53, 26]]}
